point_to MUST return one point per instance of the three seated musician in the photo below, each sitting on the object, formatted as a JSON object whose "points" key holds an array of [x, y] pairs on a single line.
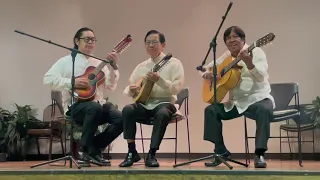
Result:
{"points": [[90, 114], [167, 84], [251, 94]]}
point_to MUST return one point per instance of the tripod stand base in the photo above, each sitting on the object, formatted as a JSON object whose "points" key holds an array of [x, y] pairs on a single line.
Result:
{"points": [[221, 158], [70, 158]]}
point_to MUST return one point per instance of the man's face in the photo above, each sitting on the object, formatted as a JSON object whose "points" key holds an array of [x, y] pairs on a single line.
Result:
{"points": [[86, 42], [153, 45], [234, 43]]}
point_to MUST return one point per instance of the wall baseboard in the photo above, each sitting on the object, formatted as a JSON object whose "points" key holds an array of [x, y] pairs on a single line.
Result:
{"points": [[277, 156], [285, 156]]}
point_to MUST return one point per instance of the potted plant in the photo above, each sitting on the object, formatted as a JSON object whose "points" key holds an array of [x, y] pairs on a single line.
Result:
{"points": [[17, 125], [4, 118], [314, 111]]}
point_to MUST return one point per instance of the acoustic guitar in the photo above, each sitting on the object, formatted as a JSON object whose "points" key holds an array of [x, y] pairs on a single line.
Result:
{"points": [[230, 74], [96, 76], [146, 84]]}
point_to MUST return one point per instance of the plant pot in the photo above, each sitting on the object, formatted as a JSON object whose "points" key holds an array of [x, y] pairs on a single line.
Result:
{"points": [[3, 157]]}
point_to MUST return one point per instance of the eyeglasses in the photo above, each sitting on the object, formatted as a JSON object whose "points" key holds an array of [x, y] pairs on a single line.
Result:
{"points": [[151, 42], [88, 39]]}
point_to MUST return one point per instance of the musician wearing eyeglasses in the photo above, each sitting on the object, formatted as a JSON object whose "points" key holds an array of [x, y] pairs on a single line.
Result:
{"points": [[168, 82], [250, 94], [92, 112]]}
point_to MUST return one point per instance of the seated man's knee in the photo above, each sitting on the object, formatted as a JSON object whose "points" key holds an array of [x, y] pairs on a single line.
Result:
{"points": [[209, 108], [128, 110], [265, 112], [165, 114], [94, 108]]}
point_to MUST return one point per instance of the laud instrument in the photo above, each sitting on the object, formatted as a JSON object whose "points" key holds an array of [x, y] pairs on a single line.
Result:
{"points": [[146, 84]]}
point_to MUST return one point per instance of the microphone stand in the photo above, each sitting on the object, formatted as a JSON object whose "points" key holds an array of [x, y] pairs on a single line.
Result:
{"points": [[213, 46], [74, 53]]}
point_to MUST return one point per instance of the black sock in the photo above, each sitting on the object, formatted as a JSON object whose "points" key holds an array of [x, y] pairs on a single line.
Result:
{"points": [[220, 149], [153, 151], [83, 149], [132, 147], [260, 152]]}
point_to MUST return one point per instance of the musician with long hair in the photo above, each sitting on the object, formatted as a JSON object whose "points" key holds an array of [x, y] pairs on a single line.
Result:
{"points": [[169, 82], [88, 114], [251, 94]]}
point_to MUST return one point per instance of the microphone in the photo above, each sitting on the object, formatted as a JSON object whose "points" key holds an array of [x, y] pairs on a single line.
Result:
{"points": [[199, 68], [229, 7]]}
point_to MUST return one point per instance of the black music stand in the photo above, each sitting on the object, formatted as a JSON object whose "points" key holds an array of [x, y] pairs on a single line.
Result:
{"points": [[74, 53], [213, 45]]}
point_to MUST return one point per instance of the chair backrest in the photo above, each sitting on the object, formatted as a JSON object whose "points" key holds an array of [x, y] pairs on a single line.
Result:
{"points": [[283, 94], [182, 96], [56, 97], [47, 113]]}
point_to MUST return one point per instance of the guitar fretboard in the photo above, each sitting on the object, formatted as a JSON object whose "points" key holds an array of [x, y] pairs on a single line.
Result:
{"points": [[119, 48], [234, 62], [160, 64]]}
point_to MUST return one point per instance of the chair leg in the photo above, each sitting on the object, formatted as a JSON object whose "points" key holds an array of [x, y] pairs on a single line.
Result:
{"points": [[142, 142], [62, 148], [280, 144], [176, 144], [109, 152], [291, 155], [246, 141], [50, 148], [38, 146], [314, 151], [299, 144], [188, 133]]}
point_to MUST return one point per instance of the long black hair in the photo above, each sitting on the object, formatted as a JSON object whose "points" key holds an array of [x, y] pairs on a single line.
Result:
{"points": [[79, 34]]}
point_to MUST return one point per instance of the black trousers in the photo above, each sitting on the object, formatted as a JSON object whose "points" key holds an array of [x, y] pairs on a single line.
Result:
{"points": [[90, 115], [161, 116], [213, 125]]}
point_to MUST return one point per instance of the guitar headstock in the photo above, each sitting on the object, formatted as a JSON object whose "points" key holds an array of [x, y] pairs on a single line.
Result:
{"points": [[123, 44], [265, 40]]}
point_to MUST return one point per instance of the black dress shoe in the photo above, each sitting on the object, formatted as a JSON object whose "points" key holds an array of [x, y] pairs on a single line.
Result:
{"points": [[83, 159], [151, 161], [259, 162], [216, 161], [131, 158], [99, 158]]}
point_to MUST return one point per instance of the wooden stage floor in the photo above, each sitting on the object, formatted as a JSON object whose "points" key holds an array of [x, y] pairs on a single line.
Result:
{"points": [[275, 167]]}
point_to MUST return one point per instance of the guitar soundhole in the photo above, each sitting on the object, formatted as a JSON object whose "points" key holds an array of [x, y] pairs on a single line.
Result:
{"points": [[91, 76]]}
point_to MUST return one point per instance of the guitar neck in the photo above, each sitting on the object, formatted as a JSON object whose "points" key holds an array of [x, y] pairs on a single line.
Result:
{"points": [[99, 67], [119, 48], [163, 61], [234, 62]]}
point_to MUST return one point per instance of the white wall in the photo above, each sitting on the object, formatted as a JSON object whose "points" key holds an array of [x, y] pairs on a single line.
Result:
{"points": [[188, 26]]}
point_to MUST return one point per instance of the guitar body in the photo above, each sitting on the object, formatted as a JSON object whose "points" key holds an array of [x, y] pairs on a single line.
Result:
{"points": [[145, 91], [88, 93], [227, 82], [96, 76]]}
